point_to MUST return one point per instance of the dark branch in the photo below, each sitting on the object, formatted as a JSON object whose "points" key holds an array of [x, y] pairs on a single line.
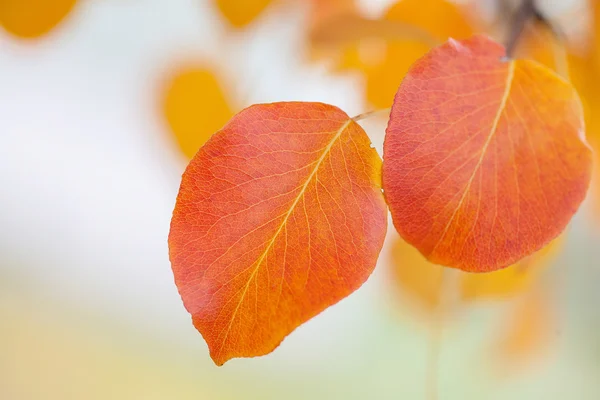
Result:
{"points": [[526, 12]]}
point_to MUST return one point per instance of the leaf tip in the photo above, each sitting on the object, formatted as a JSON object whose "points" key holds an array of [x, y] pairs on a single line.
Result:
{"points": [[457, 46], [218, 360]]}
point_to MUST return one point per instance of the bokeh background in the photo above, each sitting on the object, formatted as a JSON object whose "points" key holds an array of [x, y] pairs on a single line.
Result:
{"points": [[103, 102]]}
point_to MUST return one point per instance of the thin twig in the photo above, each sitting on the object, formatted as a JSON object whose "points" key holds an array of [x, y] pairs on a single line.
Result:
{"points": [[350, 28], [446, 301], [526, 11], [433, 357], [372, 113], [561, 61]]}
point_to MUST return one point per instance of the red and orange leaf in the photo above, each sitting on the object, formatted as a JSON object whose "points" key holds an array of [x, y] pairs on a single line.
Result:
{"points": [[195, 106], [485, 159], [240, 13], [30, 19], [279, 216]]}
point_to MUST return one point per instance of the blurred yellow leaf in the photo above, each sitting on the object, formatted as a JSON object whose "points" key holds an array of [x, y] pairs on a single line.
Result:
{"points": [[322, 10], [421, 281], [361, 42], [508, 281], [584, 72], [527, 334], [33, 18], [240, 13], [385, 48], [537, 43], [195, 107], [439, 18], [415, 276], [327, 31]]}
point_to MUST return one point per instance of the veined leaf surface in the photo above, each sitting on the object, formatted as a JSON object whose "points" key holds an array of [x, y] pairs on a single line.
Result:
{"points": [[485, 159], [279, 215]]}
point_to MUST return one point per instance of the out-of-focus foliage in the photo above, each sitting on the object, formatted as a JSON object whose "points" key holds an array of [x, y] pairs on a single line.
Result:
{"points": [[421, 281], [195, 106], [537, 43], [240, 13], [31, 19], [509, 281], [415, 276], [439, 18], [384, 49], [527, 333], [584, 72]]}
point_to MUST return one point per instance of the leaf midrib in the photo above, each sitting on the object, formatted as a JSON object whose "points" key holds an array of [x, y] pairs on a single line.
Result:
{"points": [[283, 223], [503, 102]]}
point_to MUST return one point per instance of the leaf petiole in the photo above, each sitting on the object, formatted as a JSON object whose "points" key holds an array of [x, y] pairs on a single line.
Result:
{"points": [[372, 113]]}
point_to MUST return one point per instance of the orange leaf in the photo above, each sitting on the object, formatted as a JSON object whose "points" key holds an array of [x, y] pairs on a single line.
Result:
{"points": [[240, 13], [279, 216], [33, 18], [195, 107], [485, 160]]}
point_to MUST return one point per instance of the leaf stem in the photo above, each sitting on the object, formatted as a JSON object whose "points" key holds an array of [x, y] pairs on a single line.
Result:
{"points": [[448, 283], [433, 356], [520, 17], [561, 60], [350, 28], [372, 113]]}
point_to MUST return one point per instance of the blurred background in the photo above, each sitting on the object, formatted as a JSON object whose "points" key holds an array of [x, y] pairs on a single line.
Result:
{"points": [[103, 103]]}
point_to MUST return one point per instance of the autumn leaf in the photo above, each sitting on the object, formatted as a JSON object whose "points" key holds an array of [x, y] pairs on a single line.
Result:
{"points": [[279, 215], [30, 19], [195, 106], [240, 13], [485, 160]]}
